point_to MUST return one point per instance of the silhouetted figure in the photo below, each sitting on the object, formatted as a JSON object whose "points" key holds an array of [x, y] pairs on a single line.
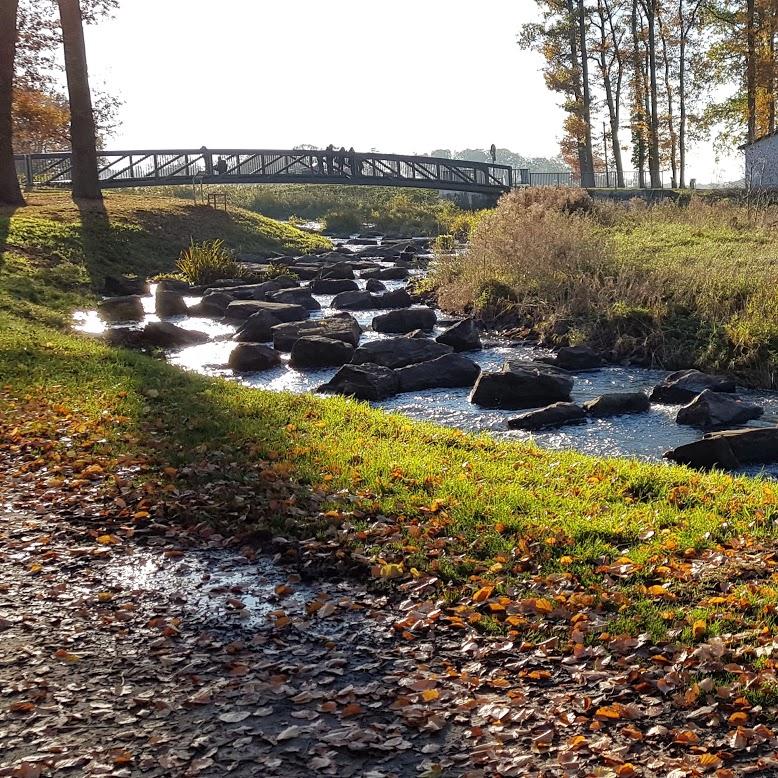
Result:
{"points": [[353, 163], [493, 153], [221, 166], [340, 159], [208, 160], [330, 156], [320, 164]]}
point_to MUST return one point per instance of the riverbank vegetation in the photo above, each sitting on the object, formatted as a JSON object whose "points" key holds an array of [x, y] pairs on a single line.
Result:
{"points": [[519, 540], [666, 285], [346, 210]]}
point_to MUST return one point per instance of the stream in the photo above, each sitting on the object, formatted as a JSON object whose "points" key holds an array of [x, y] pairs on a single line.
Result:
{"points": [[644, 436]]}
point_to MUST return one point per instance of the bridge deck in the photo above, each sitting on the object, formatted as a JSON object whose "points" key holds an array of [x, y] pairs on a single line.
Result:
{"points": [[163, 167]]}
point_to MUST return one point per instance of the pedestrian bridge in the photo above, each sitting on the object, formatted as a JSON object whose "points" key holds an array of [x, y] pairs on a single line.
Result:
{"points": [[158, 167]]}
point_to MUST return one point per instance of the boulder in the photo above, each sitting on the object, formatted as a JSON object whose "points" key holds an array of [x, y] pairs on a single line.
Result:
{"points": [[575, 358], [340, 270], [333, 285], [174, 285], [316, 351], [716, 409], [729, 449], [339, 326], [365, 382], [126, 308], [252, 357], [374, 285], [462, 336], [386, 273], [258, 328], [296, 297], [169, 304], [405, 320], [306, 272], [450, 370], [256, 291], [123, 286], [521, 386], [617, 403], [684, 385], [556, 415], [156, 334], [285, 312], [360, 300], [213, 304], [399, 352], [397, 298]]}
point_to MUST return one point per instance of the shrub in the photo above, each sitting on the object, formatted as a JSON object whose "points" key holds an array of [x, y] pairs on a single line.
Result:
{"points": [[342, 222], [203, 263]]}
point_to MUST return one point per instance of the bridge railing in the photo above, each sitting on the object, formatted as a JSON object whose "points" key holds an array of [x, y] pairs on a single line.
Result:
{"points": [[171, 166], [602, 180]]}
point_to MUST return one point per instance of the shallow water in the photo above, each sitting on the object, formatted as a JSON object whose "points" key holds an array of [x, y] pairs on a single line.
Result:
{"points": [[644, 436]]}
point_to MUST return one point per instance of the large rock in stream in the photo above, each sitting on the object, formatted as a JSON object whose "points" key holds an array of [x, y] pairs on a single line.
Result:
{"points": [[450, 370], [339, 326], [168, 303], [126, 308], [333, 285], [617, 403], [521, 385], [684, 385], [285, 312], [386, 273], [258, 328], [556, 415], [405, 320], [729, 449], [365, 382], [575, 358], [462, 336], [315, 351], [252, 357], [715, 409], [156, 334], [399, 352]]}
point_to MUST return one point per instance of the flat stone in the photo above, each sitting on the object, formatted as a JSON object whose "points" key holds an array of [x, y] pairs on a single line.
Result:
{"points": [[405, 320], [399, 352], [364, 382], [397, 298], [359, 300], [285, 312], [333, 285], [556, 415], [519, 386], [296, 297], [617, 403], [258, 328], [156, 334], [386, 273], [316, 351], [717, 409], [729, 449], [684, 385], [252, 357], [339, 326], [126, 308], [575, 358], [450, 370]]}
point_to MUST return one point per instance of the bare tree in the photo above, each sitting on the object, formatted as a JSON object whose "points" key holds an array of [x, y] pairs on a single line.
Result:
{"points": [[86, 183]]}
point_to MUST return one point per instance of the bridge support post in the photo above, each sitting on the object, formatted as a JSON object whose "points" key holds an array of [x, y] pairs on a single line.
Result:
{"points": [[28, 171]]}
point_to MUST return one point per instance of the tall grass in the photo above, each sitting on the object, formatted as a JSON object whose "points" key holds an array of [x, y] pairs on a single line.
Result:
{"points": [[665, 285], [203, 263]]}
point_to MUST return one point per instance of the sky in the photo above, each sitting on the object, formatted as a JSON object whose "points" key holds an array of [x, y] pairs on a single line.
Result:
{"points": [[403, 77]]}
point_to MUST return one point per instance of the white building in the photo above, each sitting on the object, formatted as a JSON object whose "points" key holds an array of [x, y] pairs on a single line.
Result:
{"points": [[762, 163]]}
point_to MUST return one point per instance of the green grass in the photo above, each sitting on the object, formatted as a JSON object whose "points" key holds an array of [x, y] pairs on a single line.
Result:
{"points": [[470, 510]]}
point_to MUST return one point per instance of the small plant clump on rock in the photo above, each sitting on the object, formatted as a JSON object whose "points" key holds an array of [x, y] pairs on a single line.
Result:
{"points": [[203, 263]]}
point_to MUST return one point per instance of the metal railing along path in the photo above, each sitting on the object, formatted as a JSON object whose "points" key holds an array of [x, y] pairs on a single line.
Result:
{"points": [[163, 167]]}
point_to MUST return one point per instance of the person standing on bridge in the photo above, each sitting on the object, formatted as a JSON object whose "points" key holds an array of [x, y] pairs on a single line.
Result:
{"points": [[221, 166], [353, 162], [340, 159], [330, 156], [493, 153]]}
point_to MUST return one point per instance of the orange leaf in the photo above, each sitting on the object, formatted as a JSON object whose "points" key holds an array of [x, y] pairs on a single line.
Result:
{"points": [[430, 694], [699, 628], [608, 712], [738, 718], [483, 593]]}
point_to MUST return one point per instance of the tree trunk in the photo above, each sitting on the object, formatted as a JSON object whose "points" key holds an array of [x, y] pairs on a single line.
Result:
{"points": [[653, 146], [751, 70], [670, 117], [587, 172], [682, 99], [638, 119], [613, 101], [10, 192], [86, 184]]}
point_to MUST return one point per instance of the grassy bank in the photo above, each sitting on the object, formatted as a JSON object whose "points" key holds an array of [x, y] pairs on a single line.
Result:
{"points": [[52, 254], [666, 285], [345, 210], [521, 540]]}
